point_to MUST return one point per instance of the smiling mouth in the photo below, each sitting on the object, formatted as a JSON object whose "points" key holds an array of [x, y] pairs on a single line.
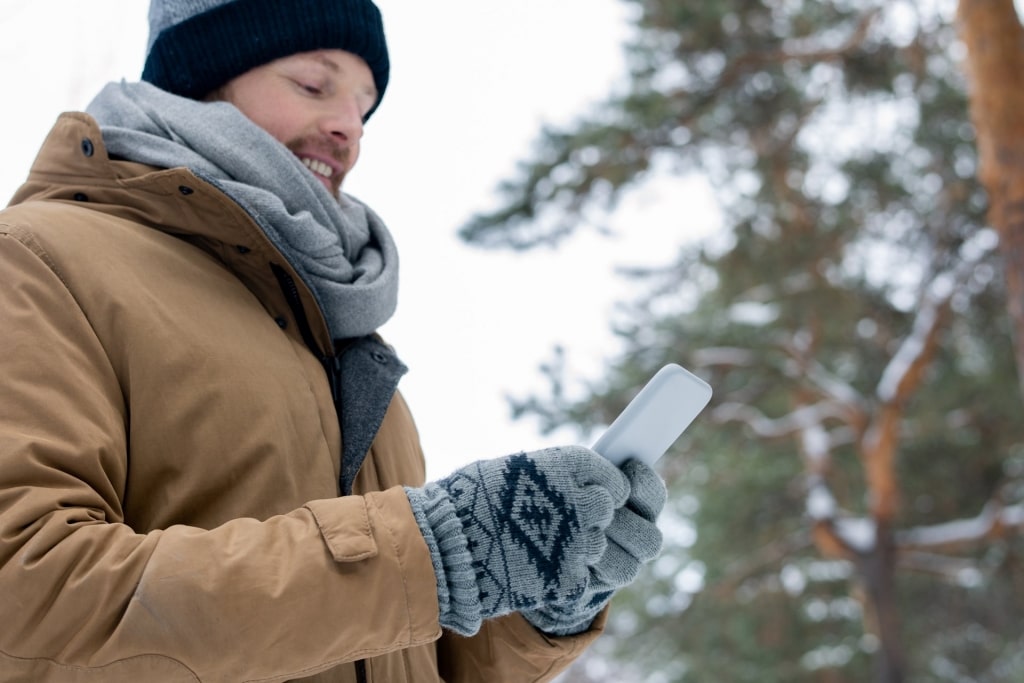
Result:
{"points": [[318, 167]]}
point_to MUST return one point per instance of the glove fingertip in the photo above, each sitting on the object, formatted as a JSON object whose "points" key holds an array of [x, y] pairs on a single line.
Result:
{"points": [[648, 493], [639, 537], [618, 568]]}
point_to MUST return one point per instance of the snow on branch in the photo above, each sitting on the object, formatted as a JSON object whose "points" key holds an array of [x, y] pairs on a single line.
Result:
{"points": [[913, 352], [855, 535], [821, 504], [816, 445], [993, 520], [962, 571], [834, 387], [800, 419], [827, 384], [904, 367]]}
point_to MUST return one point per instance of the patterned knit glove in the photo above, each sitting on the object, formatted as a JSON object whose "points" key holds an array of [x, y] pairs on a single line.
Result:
{"points": [[518, 532], [633, 539]]}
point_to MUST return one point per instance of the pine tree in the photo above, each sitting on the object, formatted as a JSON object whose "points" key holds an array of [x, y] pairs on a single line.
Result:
{"points": [[850, 506]]}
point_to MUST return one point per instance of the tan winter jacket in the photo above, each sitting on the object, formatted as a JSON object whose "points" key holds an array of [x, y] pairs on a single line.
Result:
{"points": [[169, 458]]}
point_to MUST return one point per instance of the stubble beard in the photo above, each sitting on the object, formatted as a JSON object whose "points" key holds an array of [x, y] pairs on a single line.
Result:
{"points": [[311, 143]]}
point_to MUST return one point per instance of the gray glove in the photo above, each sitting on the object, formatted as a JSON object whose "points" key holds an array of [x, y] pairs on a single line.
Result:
{"points": [[633, 539], [517, 533]]}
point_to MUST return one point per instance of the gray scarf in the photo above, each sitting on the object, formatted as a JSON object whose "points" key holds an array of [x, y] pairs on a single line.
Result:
{"points": [[339, 247]]}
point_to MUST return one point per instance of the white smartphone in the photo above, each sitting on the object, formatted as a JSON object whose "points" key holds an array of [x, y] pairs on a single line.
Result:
{"points": [[655, 417]]}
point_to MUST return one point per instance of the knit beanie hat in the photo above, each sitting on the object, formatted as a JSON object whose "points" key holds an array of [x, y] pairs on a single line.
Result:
{"points": [[196, 46]]}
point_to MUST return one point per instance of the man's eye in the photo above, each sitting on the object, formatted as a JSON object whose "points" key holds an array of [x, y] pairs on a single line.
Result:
{"points": [[311, 89]]}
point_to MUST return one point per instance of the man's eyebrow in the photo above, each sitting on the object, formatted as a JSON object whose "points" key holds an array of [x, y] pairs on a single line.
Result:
{"points": [[336, 68], [328, 62]]}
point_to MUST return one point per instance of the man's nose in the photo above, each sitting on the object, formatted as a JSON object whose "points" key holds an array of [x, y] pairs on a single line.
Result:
{"points": [[343, 122]]}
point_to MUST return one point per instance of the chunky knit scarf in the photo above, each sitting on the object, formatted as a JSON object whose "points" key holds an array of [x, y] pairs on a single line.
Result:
{"points": [[339, 247]]}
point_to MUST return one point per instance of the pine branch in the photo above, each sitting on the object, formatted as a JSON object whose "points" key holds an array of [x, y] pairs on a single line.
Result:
{"points": [[729, 356], [769, 555], [751, 61]]}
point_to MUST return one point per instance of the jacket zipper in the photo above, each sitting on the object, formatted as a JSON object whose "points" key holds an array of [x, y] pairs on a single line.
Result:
{"points": [[332, 366]]}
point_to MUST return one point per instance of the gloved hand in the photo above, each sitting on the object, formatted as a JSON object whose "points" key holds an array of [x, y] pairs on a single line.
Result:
{"points": [[517, 533], [633, 539]]}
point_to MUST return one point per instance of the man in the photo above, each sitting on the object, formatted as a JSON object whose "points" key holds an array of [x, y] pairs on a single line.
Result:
{"points": [[206, 471]]}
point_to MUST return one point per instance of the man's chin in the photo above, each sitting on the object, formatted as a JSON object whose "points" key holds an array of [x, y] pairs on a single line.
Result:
{"points": [[332, 187]]}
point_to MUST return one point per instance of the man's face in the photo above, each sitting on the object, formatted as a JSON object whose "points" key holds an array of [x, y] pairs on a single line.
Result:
{"points": [[314, 103]]}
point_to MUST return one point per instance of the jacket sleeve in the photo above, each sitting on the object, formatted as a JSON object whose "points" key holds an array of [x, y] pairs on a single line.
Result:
{"points": [[84, 597], [511, 649]]}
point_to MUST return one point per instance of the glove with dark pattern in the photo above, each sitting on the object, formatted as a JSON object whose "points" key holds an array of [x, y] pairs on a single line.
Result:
{"points": [[518, 533], [633, 539]]}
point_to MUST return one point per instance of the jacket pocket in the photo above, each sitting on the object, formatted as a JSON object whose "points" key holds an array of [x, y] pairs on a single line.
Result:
{"points": [[344, 524]]}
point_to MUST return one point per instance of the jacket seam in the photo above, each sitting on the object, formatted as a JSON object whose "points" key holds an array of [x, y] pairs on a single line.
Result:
{"points": [[573, 653], [401, 563], [25, 238], [99, 669]]}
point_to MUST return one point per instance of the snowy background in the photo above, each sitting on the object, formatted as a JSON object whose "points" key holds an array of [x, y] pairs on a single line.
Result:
{"points": [[471, 85]]}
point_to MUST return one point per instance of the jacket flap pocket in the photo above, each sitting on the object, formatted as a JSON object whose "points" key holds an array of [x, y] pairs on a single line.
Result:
{"points": [[345, 526]]}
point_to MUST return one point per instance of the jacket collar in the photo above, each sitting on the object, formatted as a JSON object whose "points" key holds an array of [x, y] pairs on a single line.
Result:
{"points": [[73, 166]]}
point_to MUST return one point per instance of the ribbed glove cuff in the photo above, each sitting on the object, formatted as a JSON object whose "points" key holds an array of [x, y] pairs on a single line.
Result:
{"points": [[458, 594]]}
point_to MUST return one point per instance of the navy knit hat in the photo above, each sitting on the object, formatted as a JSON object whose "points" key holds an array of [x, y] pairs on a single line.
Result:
{"points": [[196, 46]]}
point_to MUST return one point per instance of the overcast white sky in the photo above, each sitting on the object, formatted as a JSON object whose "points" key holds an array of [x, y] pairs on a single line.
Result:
{"points": [[471, 84]]}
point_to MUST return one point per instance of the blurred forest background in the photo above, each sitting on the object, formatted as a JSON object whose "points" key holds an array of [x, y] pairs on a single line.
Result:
{"points": [[851, 505]]}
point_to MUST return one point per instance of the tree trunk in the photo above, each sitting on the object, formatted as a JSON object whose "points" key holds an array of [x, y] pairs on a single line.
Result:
{"points": [[878, 569], [994, 38]]}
